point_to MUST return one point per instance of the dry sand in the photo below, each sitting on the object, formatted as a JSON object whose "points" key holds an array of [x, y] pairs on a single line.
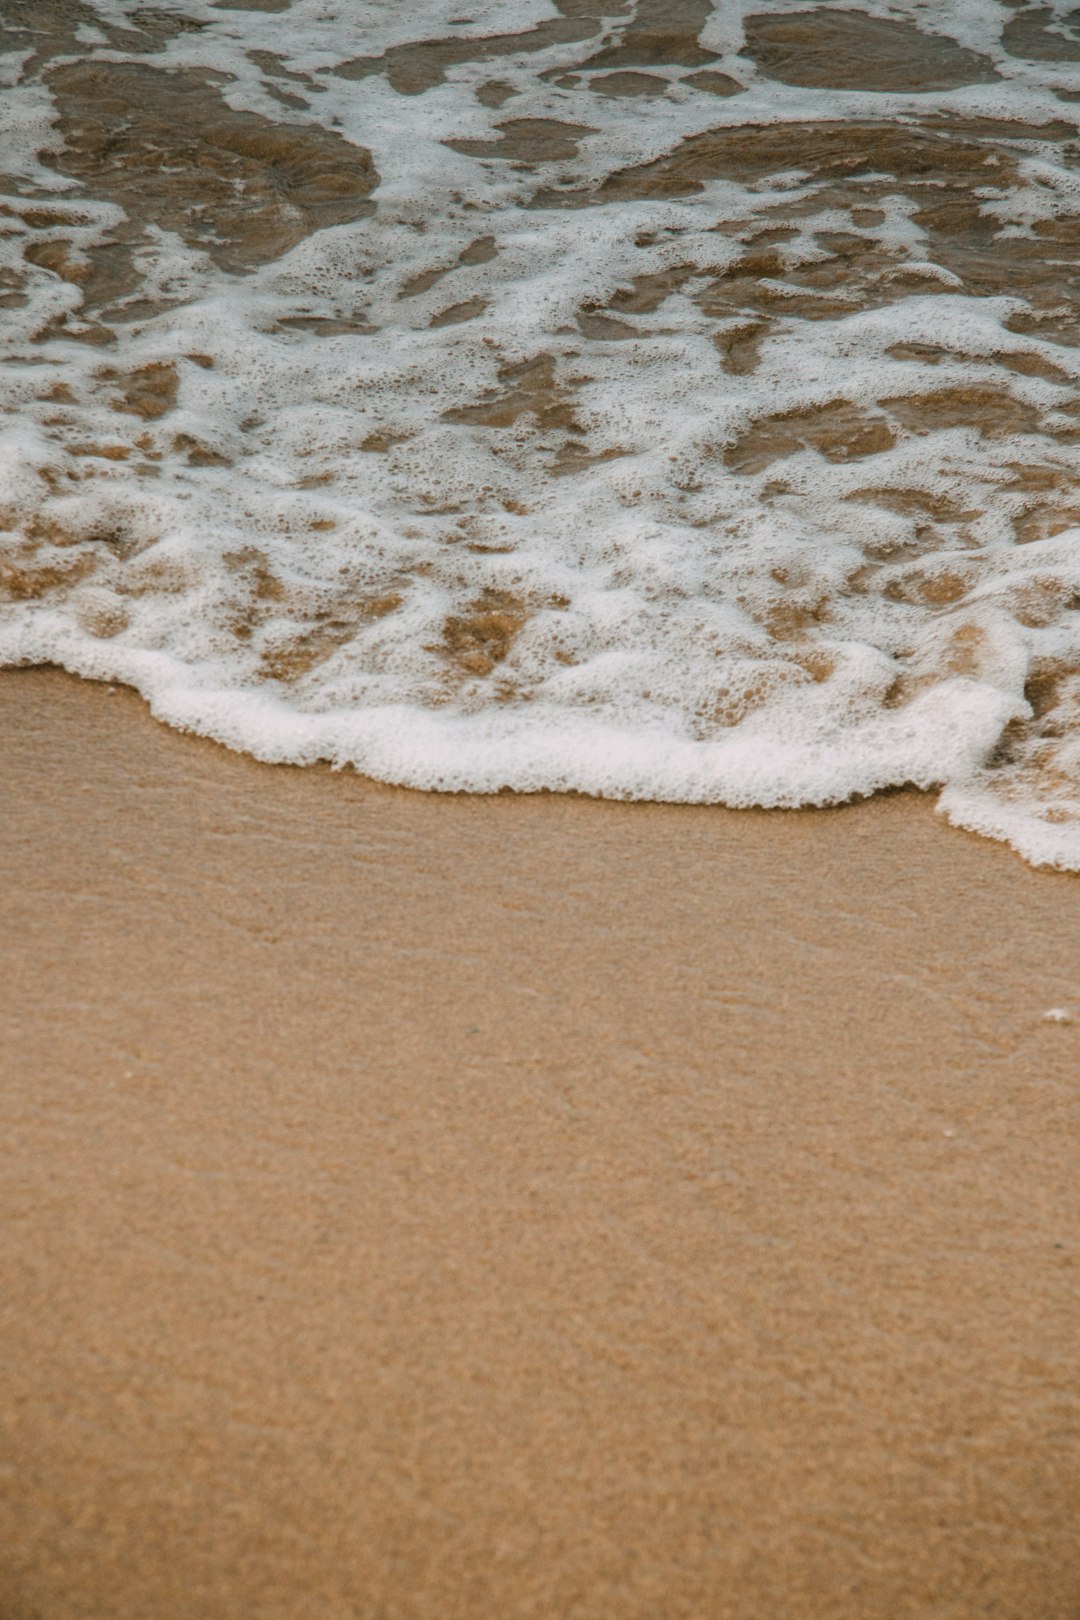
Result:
{"points": [[421, 1208]]}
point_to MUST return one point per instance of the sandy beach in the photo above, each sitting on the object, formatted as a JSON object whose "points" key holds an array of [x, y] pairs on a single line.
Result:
{"points": [[424, 1207]]}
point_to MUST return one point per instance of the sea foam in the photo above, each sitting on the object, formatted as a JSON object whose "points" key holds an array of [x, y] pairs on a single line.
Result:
{"points": [[667, 403]]}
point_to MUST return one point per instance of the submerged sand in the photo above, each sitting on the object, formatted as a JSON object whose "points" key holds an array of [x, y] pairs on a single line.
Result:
{"points": [[427, 1207]]}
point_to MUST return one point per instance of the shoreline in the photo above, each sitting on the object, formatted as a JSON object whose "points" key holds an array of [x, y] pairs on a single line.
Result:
{"points": [[429, 1206]]}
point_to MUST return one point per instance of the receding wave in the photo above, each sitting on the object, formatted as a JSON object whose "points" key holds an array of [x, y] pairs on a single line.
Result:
{"points": [[651, 400]]}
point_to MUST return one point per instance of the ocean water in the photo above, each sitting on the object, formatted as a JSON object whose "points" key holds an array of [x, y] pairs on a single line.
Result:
{"points": [[657, 399]]}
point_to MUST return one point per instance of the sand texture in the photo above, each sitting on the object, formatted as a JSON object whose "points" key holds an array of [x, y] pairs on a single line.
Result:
{"points": [[420, 1208]]}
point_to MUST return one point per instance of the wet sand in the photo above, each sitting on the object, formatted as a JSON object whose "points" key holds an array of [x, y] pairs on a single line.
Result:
{"points": [[421, 1207]]}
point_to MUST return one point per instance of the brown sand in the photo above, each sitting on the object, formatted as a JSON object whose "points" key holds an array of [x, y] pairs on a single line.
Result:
{"points": [[440, 1207]]}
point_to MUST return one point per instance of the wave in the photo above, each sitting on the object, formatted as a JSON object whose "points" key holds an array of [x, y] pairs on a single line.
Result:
{"points": [[651, 401]]}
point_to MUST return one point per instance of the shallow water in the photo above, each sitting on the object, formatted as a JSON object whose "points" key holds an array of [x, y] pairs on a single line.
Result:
{"points": [[655, 400]]}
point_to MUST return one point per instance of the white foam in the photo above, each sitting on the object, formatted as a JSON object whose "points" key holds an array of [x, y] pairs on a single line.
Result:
{"points": [[325, 551]]}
